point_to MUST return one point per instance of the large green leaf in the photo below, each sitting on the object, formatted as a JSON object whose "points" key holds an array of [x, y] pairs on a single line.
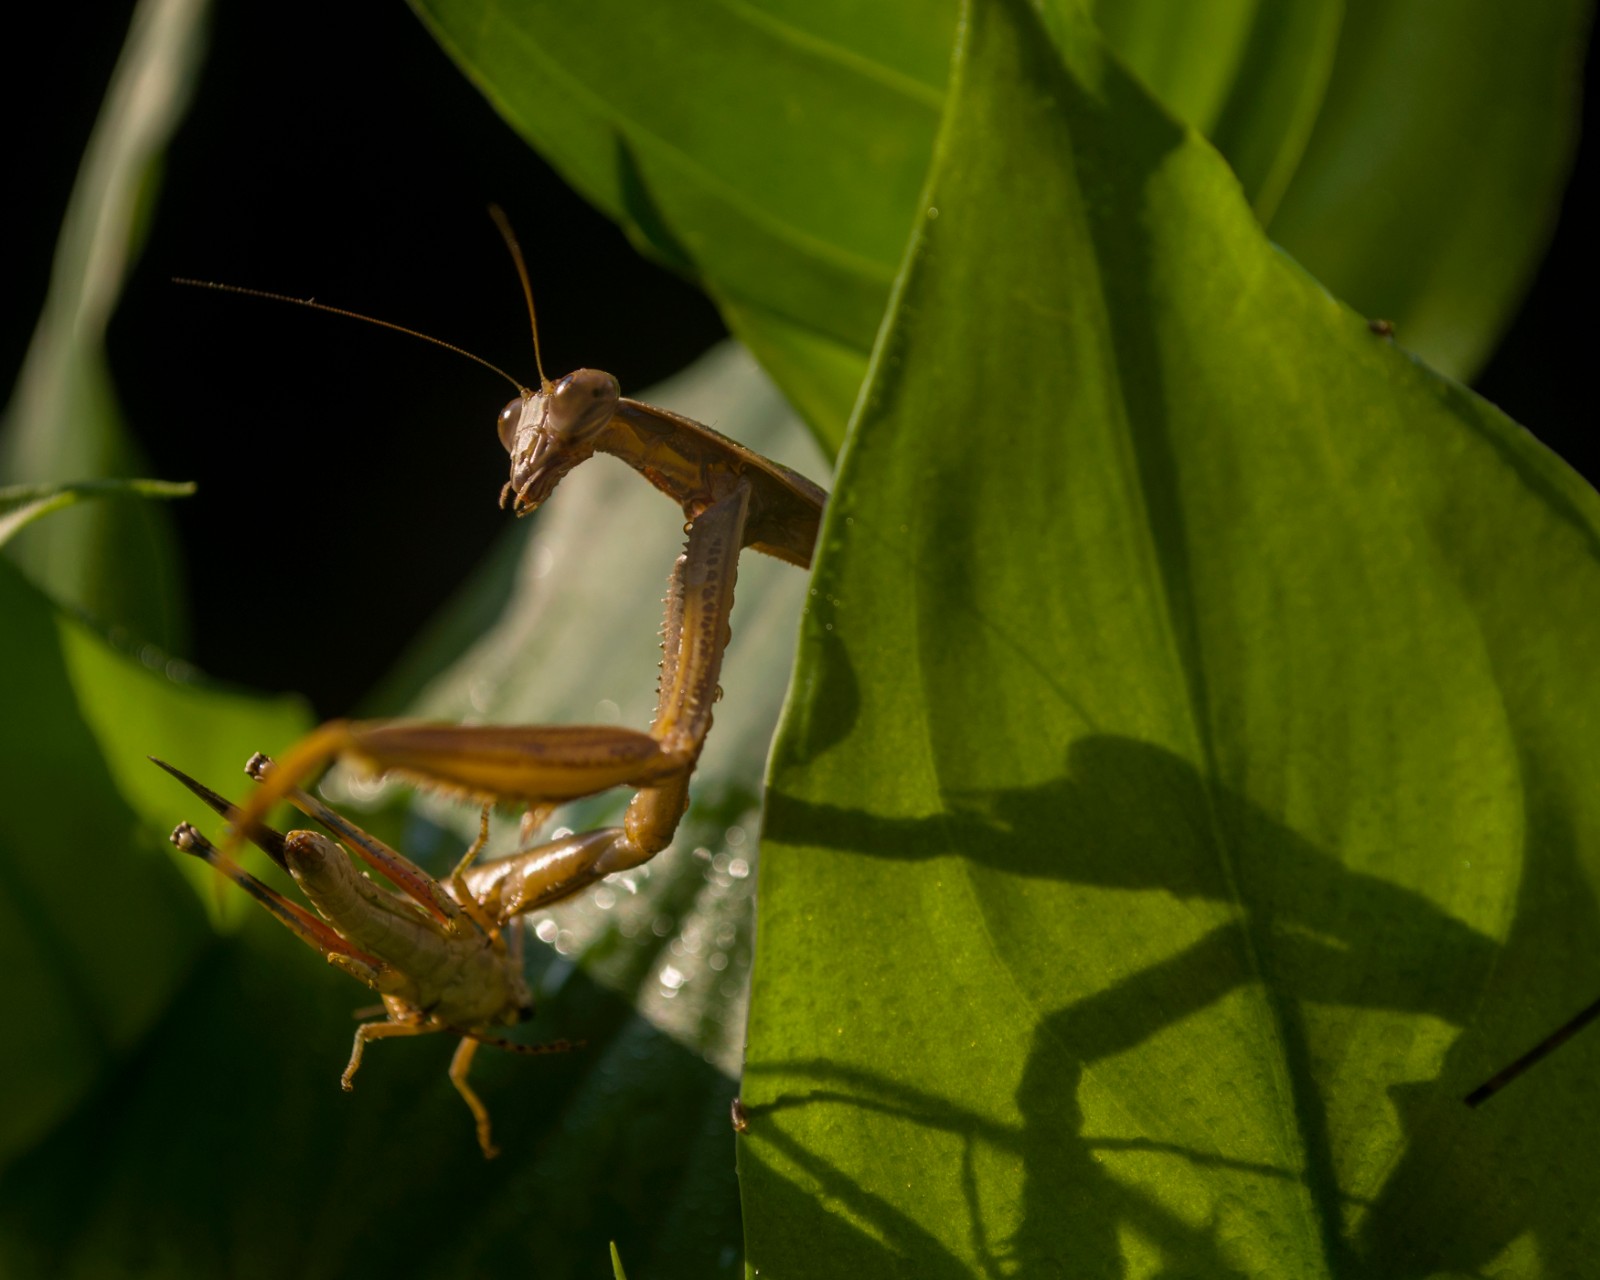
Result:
{"points": [[116, 559], [775, 151], [1187, 794]]}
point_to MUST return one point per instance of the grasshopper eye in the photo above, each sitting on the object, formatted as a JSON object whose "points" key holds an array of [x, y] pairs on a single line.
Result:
{"points": [[509, 417]]}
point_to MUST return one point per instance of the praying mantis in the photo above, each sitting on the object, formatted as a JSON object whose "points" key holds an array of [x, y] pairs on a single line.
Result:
{"points": [[435, 951]]}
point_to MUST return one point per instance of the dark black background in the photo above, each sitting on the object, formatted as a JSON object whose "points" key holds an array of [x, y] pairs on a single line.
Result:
{"points": [[355, 166]]}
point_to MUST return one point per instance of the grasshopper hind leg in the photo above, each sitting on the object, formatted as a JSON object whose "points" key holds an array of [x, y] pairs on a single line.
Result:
{"points": [[377, 1031], [460, 1064]]}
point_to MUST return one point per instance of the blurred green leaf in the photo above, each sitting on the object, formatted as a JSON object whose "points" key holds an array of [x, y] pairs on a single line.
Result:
{"points": [[1187, 793], [119, 561], [1249, 75], [1430, 185], [99, 931], [1412, 158], [22, 504]]}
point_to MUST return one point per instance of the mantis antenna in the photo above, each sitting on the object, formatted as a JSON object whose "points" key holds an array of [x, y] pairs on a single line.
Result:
{"points": [[510, 237], [382, 324]]}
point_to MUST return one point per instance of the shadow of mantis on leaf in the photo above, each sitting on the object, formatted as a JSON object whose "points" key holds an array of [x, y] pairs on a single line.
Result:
{"points": [[1348, 962]]}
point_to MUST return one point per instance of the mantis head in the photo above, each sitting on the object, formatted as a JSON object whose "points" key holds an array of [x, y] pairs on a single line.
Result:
{"points": [[550, 431]]}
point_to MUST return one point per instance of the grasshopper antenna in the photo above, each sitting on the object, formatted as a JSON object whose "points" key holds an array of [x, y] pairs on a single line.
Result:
{"points": [[356, 315], [510, 237], [516, 1046]]}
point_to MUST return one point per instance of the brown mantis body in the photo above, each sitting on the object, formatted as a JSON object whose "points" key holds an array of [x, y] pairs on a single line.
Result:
{"points": [[435, 951], [732, 499]]}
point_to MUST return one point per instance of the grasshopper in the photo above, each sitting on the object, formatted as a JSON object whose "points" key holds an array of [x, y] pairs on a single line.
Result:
{"points": [[436, 952]]}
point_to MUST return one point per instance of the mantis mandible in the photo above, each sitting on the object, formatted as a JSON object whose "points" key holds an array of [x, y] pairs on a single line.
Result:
{"points": [[731, 497]]}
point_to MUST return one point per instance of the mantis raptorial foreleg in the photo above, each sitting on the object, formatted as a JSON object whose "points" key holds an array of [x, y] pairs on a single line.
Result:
{"points": [[699, 601], [536, 765]]}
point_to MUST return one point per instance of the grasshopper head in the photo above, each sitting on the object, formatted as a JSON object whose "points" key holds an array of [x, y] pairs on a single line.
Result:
{"points": [[550, 431], [521, 1006]]}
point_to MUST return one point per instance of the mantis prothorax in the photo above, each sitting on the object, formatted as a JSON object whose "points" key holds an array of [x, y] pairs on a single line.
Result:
{"points": [[434, 950], [731, 498]]}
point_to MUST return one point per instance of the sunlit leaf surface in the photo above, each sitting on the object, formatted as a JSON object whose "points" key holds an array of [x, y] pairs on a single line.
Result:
{"points": [[1187, 795]]}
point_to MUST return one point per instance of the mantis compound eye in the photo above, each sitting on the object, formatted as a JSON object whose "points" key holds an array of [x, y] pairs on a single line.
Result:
{"points": [[581, 403], [509, 417]]}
